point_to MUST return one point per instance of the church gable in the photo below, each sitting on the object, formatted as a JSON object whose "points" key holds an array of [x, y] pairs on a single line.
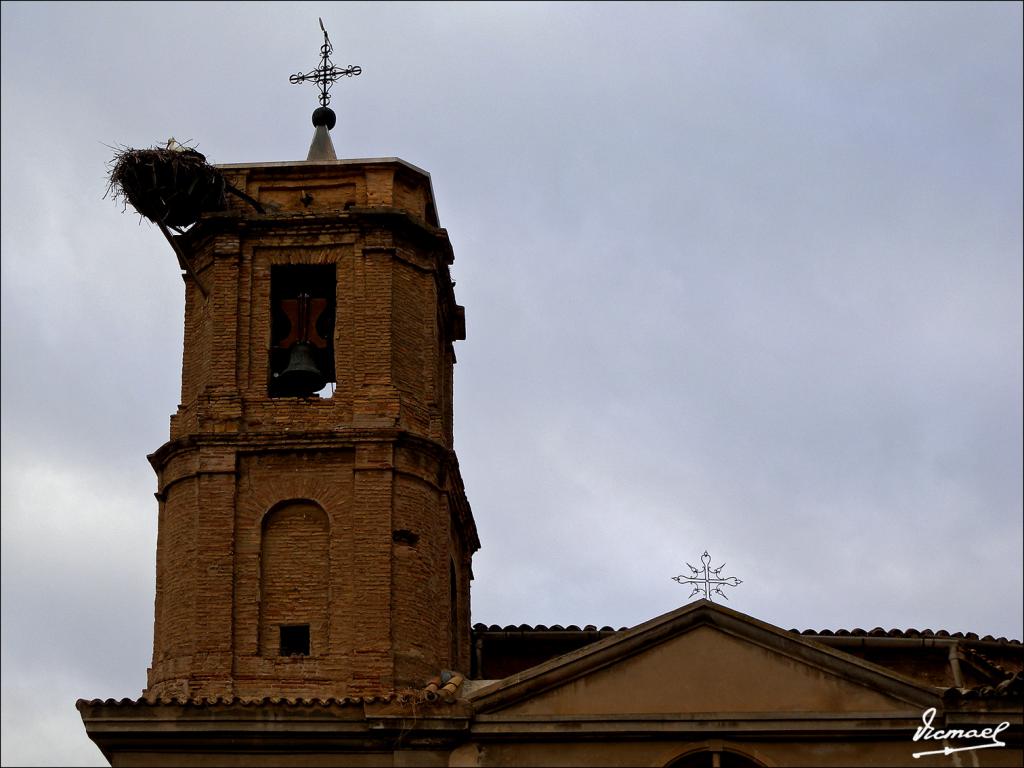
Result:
{"points": [[701, 659]]}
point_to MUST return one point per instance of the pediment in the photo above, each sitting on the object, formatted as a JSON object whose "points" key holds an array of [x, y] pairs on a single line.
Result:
{"points": [[703, 658]]}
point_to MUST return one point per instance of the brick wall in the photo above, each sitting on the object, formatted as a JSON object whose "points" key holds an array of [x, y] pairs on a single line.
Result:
{"points": [[344, 513]]}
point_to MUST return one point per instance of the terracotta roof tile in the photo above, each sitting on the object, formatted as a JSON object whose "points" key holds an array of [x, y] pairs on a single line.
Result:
{"points": [[1010, 688], [444, 688], [544, 628], [985, 662], [856, 632], [908, 633], [241, 701]]}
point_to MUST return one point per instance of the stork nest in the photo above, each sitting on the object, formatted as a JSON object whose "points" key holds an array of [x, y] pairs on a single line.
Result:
{"points": [[167, 186]]}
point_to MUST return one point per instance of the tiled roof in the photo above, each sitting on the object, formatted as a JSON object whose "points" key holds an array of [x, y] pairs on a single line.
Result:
{"points": [[543, 628], [857, 632], [1011, 687], [975, 656], [418, 697], [442, 688], [911, 633]]}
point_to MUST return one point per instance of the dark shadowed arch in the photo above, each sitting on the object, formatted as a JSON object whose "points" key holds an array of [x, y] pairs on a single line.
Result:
{"points": [[714, 757]]}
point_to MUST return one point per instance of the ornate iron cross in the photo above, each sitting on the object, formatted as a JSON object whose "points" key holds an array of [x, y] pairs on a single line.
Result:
{"points": [[326, 74], [707, 580]]}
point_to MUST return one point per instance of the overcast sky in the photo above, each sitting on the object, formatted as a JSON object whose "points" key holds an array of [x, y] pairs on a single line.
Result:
{"points": [[744, 278]]}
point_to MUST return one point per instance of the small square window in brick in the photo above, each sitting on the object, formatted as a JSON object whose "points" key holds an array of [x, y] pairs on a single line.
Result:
{"points": [[295, 640]]}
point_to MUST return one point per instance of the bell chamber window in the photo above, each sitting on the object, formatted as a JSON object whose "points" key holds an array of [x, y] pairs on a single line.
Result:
{"points": [[302, 317]]}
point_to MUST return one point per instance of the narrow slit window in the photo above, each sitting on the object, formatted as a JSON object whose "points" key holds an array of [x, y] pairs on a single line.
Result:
{"points": [[295, 639]]}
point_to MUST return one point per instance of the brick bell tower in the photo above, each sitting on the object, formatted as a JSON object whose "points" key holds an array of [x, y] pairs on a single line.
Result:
{"points": [[314, 535]]}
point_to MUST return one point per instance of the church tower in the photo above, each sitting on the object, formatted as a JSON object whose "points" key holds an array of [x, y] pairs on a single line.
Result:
{"points": [[314, 535]]}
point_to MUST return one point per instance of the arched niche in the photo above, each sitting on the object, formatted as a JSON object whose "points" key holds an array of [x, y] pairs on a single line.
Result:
{"points": [[294, 580]]}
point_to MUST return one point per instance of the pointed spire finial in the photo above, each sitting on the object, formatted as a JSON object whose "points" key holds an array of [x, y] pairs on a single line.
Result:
{"points": [[324, 118]]}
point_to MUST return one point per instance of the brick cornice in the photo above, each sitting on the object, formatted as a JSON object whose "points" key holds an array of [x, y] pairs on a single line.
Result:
{"points": [[318, 223], [311, 440], [448, 481]]}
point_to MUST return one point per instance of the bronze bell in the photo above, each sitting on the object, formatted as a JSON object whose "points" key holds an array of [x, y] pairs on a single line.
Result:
{"points": [[302, 376]]}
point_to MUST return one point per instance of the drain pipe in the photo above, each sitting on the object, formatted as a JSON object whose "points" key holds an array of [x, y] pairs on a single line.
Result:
{"points": [[954, 664]]}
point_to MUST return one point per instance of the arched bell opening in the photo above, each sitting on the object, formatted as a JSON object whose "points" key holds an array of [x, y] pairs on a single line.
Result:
{"points": [[302, 317]]}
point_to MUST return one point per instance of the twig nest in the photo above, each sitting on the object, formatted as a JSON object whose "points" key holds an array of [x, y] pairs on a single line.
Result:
{"points": [[167, 186]]}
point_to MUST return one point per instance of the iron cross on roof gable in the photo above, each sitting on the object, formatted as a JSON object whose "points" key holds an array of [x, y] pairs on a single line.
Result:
{"points": [[327, 73], [707, 580]]}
